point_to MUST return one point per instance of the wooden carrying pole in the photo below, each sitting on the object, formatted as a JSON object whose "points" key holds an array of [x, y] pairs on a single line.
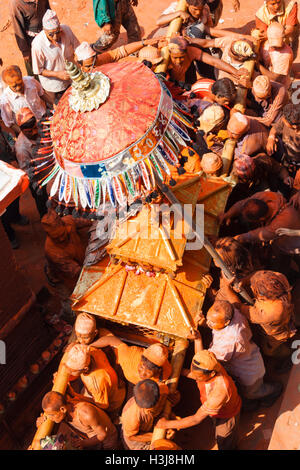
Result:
{"points": [[174, 28], [178, 356]]}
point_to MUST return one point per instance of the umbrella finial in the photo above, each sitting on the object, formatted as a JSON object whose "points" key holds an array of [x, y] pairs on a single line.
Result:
{"points": [[89, 90]]}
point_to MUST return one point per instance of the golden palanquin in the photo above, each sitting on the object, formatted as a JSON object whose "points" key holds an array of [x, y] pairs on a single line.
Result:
{"points": [[167, 305]]}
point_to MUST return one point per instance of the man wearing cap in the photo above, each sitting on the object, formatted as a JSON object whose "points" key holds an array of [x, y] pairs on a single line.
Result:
{"points": [[138, 363], [99, 378], [276, 57], [64, 252], [110, 15], [219, 398], [139, 414], [284, 12], [250, 134], [268, 100], [21, 92], [25, 142], [236, 49], [182, 56], [26, 18], [90, 423], [88, 58], [233, 346], [211, 164], [50, 49], [212, 122]]}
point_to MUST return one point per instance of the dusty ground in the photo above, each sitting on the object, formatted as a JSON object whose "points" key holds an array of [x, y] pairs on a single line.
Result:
{"points": [[256, 428]]}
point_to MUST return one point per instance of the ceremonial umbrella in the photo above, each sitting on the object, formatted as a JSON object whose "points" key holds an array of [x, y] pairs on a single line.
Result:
{"points": [[112, 132]]}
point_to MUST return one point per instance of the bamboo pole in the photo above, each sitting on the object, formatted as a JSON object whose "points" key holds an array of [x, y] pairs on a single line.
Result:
{"points": [[174, 27], [59, 385], [178, 356]]}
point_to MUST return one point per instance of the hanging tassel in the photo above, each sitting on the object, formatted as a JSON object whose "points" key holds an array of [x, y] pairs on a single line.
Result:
{"points": [[180, 131], [117, 187], [62, 187], [75, 191], [82, 194], [172, 141], [55, 184], [156, 166], [145, 175], [129, 183], [150, 171], [87, 193], [161, 161], [172, 156], [97, 193], [111, 193], [167, 142], [68, 190], [104, 186], [50, 175]]}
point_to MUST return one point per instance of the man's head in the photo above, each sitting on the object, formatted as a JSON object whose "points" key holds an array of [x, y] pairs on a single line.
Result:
{"points": [[269, 285], [85, 56], [224, 91], [204, 366], [219, 315], [146, 393], [27, 123], [255, 211], [235, 255], [85, 328], [178, 50], [242, 50], [54, 406], [291, 116], [51, 26], [77, 359], [211, 163], [244, 168], [261, 88], [153, 358], [238, 125], [274, 6], [55, 227], [195, 8], [275, 35], [12, 76], [212, 118]]}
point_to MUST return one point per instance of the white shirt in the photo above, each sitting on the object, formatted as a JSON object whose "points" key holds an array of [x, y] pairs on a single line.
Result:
{"points": [[240, 356], [47, 56], [11, 102]]}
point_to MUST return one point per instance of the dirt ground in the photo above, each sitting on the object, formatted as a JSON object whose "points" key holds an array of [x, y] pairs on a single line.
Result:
{"points": [[256, 428]]}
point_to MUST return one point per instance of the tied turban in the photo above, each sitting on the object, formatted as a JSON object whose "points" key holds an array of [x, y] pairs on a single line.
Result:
{"points": [[50, 20], [84, 51], [244, 166], [211, 162], [243, 50], [238, 124], [211, 117], [78, 357], [157, 354], [178, 45], [206, 360], [275, 35], [261, 86], [151, 54], [24, 115], [85, 324]]}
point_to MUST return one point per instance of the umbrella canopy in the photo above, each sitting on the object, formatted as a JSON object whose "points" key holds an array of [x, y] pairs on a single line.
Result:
{"points": [[111, 131]]}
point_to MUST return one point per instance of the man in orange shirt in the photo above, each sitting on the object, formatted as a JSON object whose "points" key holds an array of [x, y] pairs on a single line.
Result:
{"points": [[219, 398], [138, 363], [99, 378]]}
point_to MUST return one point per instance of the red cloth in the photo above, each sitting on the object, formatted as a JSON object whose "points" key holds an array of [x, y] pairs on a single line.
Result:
{"points": [[123, 119]]}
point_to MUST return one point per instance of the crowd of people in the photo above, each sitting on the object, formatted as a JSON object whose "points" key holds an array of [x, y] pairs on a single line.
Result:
{"points": [[260, 230]]}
